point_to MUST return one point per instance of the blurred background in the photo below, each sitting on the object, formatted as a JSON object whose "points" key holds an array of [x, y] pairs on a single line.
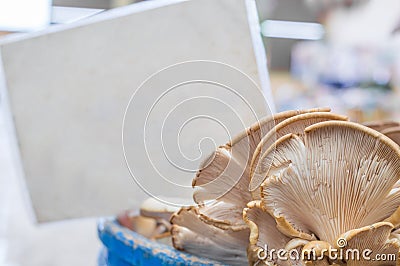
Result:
{"points": [[338, 53], [342, 54]]}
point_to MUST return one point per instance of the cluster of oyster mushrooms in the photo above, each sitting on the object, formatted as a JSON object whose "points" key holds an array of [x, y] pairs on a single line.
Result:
{"points": [[300, 180]]}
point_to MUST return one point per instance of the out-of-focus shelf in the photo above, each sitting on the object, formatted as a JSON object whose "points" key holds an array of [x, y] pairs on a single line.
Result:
{"points": [[3, 33], [283, 78], [360, 104]]}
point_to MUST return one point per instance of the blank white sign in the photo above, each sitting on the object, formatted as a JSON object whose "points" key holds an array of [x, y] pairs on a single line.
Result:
{"points": [[68, 88]]}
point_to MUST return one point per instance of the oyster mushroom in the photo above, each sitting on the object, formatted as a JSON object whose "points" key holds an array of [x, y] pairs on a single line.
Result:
{"points": [[264, 236], [374, 244], [224, 177], [319, 164], [156, 209], [295, 125], [381, 125], [337, 178], [301, 248], [316, 253], [393, 133], [153, 220], [388, 128], [145, 226], [268, 246], [195, 235]]}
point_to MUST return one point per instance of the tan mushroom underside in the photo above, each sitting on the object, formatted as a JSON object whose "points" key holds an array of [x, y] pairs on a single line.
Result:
{"points": [[393, 133], [320, 178], [156, 209], [225, 175], [295, 125], [374, 237], [333, 180], [381, 125], [194, 235], [263, 232], [388, 128]]}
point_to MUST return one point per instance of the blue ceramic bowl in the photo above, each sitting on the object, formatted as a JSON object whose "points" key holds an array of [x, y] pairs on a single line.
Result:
{"points": [[123, 247]]}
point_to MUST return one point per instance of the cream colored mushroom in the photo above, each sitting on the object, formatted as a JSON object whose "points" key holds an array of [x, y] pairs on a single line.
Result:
{"points": [[295, 125], [310, 252], [264, 236], [393, 133], [268, 246], [340, 177], [195, 235], [225, 175], [369, 245], [154, 208], [147, 227], [152, 220], [388, 128], [381, 125], [329, 178], [223, 215], [224, 179]]}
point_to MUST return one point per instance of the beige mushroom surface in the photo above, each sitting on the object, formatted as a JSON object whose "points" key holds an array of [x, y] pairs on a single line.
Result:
{"points": [[381, 125], [375, 238], [340, 177], [156, 209], [393, 133], [221, 192], [388, 128], [224, 177], [193, 234], [262, 237], [293, 125], [299, 181]]}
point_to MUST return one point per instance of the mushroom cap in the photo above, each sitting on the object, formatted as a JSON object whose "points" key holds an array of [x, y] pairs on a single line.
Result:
{"points": [[224, 176], [316, 253], [377, 238], [156, 209], [145, 226], [381, 125], [195, 235], [393, 133], [388, 128], [294, 125], [263, 232], [336, 164], [223, 215]]}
